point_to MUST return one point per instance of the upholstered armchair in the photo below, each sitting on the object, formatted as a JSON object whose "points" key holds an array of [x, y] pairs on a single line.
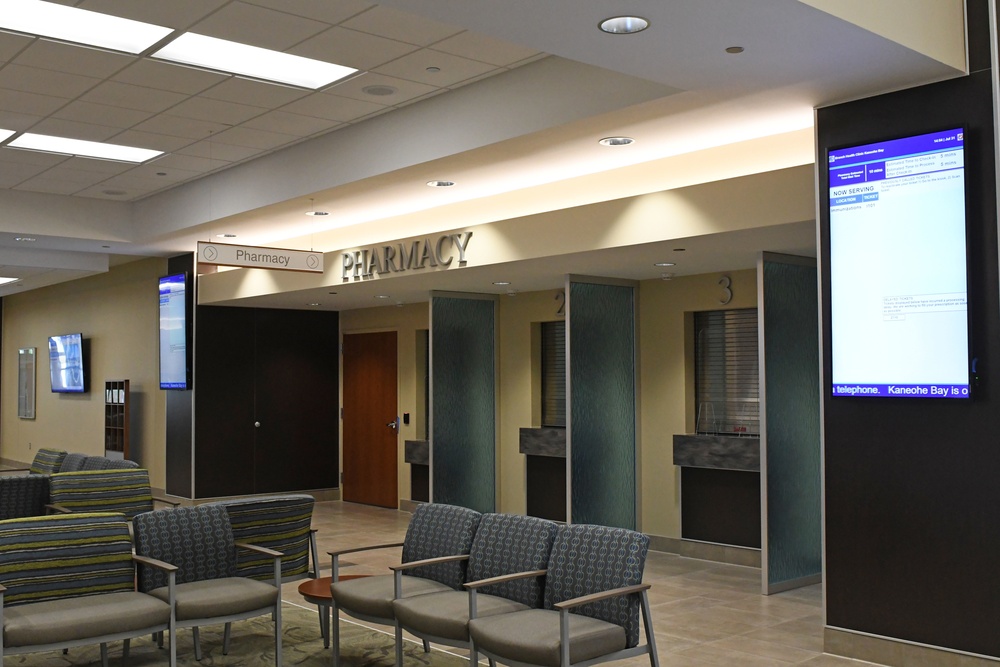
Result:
{"points": [[23, 495], [46, 462], [126, 491], [504, 544], [435, 530], [199, 541], [594, 597]]}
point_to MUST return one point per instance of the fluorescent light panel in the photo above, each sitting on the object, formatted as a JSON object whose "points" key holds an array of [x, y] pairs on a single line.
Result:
{"points": [[6, 133], [220, 54], [79, 25], [80, 148], [4, 280]]}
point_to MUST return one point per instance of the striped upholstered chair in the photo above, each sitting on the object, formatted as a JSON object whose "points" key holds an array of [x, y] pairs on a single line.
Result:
{"points": [[505, 544], [593, 598], [199, 541], [126, 491], [436, 530], [46, 462]]}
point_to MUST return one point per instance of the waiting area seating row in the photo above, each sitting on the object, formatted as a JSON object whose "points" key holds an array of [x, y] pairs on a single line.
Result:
{"points": [[520, 590], [48, 461], [81, 578]]}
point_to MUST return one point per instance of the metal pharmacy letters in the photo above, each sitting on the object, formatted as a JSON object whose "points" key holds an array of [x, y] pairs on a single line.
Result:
{"points": [[405, 256], [253, 257]]}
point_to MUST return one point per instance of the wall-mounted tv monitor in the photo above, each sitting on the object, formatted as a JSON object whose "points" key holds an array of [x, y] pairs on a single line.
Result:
{"points": [[899, 318], [175, 332], [66, 364]]}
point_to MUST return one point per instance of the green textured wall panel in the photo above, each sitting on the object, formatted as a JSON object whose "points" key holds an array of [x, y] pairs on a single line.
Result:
{"points": [[463, 395]]}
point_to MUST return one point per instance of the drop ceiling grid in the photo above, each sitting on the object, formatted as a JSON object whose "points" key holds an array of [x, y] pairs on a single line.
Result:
{"points": [[208, 121]]}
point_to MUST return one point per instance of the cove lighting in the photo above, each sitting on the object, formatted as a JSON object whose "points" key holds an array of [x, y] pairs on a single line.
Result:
{"points": [[235, 58], [81, 148], [79, 25]]}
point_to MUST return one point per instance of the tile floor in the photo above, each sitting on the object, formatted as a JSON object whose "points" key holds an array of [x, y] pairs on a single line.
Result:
{"points": [[704, 614]]}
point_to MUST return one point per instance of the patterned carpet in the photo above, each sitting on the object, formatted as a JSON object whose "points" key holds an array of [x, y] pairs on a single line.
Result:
{"points": [[252, 645]]}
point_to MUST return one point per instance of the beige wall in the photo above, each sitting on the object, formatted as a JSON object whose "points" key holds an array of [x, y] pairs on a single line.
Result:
{"points": [[118, 312], [666, 381], [405, 321]]}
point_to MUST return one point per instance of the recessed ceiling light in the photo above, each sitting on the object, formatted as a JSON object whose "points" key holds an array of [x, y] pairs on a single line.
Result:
{"points": [[382, 296], [616, 141], [624, 25], [25, 239], [502, 282], [379, 91], [734, 49], [664, 264], [440, 184], [666, 276], [72, 24], [81, 148], [433, 70], [233, 57], [4, 280], [106, 246], [225, 236], [314, 303], [315, 213], [331, 292], [679, 249]]}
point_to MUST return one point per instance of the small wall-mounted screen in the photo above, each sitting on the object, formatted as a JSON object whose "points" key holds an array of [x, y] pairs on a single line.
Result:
{"points": [[898, 278], [174, 353], [66, 364]]}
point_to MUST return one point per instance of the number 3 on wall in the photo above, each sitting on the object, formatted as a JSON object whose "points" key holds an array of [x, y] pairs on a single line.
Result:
{"points": [[727, 292]]}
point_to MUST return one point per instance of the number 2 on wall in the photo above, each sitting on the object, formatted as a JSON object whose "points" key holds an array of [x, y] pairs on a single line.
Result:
{"points": [[561, 298], [727, 292]]}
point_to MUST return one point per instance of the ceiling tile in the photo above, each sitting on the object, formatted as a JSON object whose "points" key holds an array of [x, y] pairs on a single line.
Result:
{"points": [[173, 14], [475, 46], [261, 139], [405, 90], [133, 97], [58, 127], [320, 10], [45, 82], [158, 142], [352, 48], [180, 127], [53, 186], [29, 103], [258, 26], [133, 185], [17, 156], [219, 111], [254, 93], [11, 45], [401, 26], [213, 150], [453, 69], [291, 123], [98, 192], [333, 107], [191, 163], [81, 177], [8, 179], [155, 170], [73, 59], [106, 167], [168, 76], [12, 173], [102, 114], [21, 122]]}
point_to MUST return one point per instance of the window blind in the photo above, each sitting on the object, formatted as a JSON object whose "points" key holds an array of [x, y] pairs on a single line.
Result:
{"points": [[554, 374], [726, 372]]}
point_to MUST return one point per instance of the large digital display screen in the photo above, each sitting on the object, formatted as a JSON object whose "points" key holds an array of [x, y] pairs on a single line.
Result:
{"points": [[898, 278], [66, 369], [174, 357]]}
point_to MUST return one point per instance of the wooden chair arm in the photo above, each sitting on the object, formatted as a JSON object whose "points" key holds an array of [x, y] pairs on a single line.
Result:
{"points": [[341, 552], [514, 576], [258, 549], [603, 595], [153, 562], [428, 561]]}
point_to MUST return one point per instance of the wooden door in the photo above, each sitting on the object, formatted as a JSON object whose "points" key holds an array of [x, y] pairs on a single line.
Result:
{"points": [[370, 428]]}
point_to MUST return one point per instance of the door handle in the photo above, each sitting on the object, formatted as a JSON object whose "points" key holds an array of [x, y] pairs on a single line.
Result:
{"points": [[394, 424]]}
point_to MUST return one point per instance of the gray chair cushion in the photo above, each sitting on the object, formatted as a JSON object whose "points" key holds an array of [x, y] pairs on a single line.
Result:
{"points": [[219, 597], [533, 636], [70, 619], [440, 530], [447, 614], [372, 596]]}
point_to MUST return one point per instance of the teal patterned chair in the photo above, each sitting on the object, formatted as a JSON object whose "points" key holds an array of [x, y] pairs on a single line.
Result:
{"points": [[594, 598], [23, 496], [505, 544], [435, 531], [69, 580], [199, 541]]}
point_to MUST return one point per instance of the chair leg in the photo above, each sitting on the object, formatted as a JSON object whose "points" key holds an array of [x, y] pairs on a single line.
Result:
{"points": [[197, 643], [324, 624], [277, 633], [427, 646], [399, 644], [104, 655], [647, 624], [125, 646], [225, 638], [335, 634]]}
